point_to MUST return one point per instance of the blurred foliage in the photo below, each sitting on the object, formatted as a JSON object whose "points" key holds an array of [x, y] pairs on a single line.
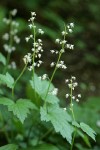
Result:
{"points": [[52, 16]]}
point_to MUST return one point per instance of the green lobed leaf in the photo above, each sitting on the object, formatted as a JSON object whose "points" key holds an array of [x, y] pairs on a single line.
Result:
{"points": [[41, 86], [2, 59], [7, 79], [59, 119], [20, 108], [89, 131], [9, 147]]}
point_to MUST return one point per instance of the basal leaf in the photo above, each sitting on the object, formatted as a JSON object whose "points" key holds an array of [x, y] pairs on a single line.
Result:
{"points": [[7, 79], [59, 119], [89, 131], [41, 86], [20, 109], [9, 147], [2, 59]]}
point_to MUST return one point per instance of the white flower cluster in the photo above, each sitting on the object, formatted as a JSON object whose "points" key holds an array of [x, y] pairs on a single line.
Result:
{"points": [[37, 48], [12, 35], [72, 84], [54, 91], [64, 42], [61, 64], [27, 58], [70, 26], [12, 65], [43, 77]]}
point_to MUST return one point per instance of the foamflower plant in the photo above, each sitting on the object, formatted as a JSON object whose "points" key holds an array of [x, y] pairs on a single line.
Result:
{"points": [[61, 120]]}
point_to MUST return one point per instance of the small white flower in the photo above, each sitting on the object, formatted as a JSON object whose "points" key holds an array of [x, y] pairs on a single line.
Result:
{"points": [[63, 33], [66, 80], [45, 76], [72, 25], [67, 95], [27, 39], [55, 91], [75, 84], [64, 109], [79, 95], [62, 50], [77, 100], [39, 55], [71, 46], [52, 64], [70, 30], [39, 40], [6, 36], [57, 40], [30, 26], [52, 51], [33, 13], [74, 78], [32, 19], [73, 97], [14, 12], [40, 31], [63, 42]]}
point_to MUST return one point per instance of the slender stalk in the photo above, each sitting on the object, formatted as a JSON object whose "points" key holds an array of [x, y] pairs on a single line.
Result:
{"points": [[18, 79], [34, 38], [52, 77], [71, 105]]}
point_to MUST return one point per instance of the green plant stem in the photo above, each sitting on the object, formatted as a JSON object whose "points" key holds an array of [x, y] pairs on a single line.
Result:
{"points": [[71, 105], [18, 79], [73, 139], [34, 60], [46, 134]]}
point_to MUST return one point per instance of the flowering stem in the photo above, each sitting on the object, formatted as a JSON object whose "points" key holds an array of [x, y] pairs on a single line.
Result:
{"points": [[60, 54], [52, 77], [18, 79], [34, 58]]}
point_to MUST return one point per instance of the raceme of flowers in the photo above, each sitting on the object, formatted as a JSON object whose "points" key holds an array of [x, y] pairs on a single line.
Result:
{"points": [[72, 84], [11, 38], [37, 48]]}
